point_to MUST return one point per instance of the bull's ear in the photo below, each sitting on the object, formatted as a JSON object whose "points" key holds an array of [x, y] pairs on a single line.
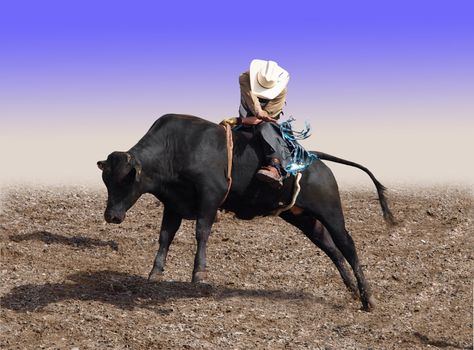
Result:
{"points": [[101, 164], [138, 171]]}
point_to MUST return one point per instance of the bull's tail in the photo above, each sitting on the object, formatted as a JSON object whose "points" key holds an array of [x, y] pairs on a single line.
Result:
{"points": [[387, 214]]}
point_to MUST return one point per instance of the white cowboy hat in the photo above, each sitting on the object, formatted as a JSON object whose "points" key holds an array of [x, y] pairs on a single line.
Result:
{"points": [[267, 79]]}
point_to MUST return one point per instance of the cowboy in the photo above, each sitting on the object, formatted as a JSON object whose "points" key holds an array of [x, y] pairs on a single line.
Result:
{"points": [[263, 91]]}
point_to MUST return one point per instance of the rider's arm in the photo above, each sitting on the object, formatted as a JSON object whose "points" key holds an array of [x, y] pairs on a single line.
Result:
{"points": [[251, 101]]}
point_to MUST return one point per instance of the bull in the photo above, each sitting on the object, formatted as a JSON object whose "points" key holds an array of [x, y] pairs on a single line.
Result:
{"points": [[182, 160]]}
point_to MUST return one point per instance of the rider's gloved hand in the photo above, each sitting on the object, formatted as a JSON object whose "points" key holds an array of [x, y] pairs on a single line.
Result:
{"points": [[263, 115]]}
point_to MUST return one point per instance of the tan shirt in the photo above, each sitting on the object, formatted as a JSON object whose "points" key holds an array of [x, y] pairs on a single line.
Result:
{"points": [[250, 100]]}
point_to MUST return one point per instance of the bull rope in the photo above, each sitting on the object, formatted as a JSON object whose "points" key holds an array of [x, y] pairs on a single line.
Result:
{"points": [[296, 192], [230, 153]]}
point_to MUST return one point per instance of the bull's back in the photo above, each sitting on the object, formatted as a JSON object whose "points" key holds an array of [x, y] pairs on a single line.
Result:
{"points": [[188, 139], [182, 125]]}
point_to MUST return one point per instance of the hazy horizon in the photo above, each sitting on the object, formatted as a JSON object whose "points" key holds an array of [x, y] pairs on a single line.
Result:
{"points": [[414, 155]]}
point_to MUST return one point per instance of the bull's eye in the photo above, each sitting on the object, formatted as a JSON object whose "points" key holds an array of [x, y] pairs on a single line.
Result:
{"points": [[129, 178]]}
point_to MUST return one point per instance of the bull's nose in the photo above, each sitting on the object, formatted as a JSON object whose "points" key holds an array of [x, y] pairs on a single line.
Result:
{"points": [[113, 218], [116, 220]]}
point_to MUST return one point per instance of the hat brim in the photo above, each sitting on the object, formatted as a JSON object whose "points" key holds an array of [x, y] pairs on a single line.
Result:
{"points": [[261, 91]]}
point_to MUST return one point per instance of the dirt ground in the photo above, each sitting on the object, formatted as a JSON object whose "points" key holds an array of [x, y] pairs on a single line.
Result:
{"points": [[68, 280]]}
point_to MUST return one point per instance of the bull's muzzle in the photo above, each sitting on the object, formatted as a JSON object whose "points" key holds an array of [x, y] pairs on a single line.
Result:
{"points": [[114, 218]]}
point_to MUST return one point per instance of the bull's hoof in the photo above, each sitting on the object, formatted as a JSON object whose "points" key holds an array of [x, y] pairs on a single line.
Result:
{"points": [[369, 305], [155, 276], [199, 277], [372, 303], [354, 294], [353, 291]]}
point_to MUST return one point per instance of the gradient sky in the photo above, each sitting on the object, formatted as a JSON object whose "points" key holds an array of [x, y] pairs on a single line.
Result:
{"points": [[96, 69]]}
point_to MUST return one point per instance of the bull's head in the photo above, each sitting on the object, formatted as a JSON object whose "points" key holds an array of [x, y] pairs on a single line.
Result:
{"points": [[121, 174]]}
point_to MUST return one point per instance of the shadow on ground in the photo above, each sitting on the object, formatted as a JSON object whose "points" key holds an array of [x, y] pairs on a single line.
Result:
{"points": [[439, 343], [128, 291], [54, 238]]}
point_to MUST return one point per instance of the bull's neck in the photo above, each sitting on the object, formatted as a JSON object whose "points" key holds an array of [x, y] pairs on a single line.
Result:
{"points": [[154, 159]]}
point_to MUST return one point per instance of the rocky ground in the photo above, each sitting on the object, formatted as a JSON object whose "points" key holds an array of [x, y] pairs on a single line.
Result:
{"points": [[70, 281]]}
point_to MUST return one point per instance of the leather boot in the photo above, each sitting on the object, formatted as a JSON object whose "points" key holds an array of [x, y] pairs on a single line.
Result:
{"points": [[271, 173]]}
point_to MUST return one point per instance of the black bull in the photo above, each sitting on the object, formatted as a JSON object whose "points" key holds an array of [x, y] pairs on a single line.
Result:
{"points": [[182, 160]]}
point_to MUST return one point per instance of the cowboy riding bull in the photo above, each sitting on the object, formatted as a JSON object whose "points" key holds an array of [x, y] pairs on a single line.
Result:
{"points": [[189, 175]]}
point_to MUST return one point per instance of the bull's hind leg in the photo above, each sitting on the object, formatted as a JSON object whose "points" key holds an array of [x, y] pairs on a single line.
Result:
{"points": [[318, 234], [169, 226], [345, 243]]}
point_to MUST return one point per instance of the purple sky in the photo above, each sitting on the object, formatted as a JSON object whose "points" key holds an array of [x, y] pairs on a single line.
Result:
{"points": [[98, 62]]}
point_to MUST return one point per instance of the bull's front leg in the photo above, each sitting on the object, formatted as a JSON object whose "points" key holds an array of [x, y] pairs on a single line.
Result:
{"points": [[169, 226], [203, 229]]}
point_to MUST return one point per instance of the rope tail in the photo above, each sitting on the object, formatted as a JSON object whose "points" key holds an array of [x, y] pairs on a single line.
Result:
{"points": [[300, 158], [230, 153]]}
